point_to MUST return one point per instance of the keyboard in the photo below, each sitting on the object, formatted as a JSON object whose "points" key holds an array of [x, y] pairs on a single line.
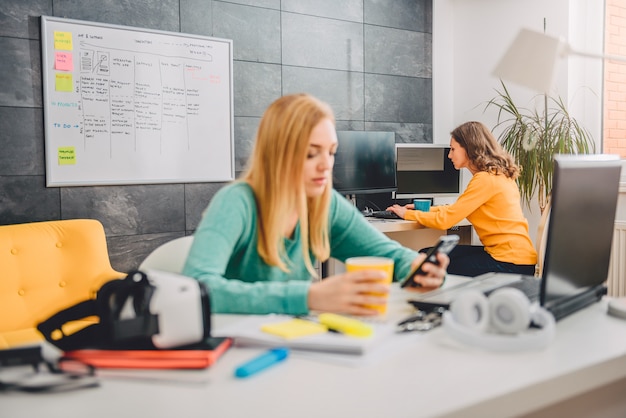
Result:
{"points": [[385, 214], [530, 286]]}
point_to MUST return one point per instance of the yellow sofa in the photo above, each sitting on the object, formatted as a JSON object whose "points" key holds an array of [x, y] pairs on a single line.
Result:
{"points": [[46, 267]]}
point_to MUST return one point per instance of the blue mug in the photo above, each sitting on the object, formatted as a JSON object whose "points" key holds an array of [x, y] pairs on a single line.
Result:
{"points": [[421, 204]]}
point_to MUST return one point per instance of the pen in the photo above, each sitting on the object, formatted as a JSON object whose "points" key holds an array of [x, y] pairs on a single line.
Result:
{"points": [[265, 360]]}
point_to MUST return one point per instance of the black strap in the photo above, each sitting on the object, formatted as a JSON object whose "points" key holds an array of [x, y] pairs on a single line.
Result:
{"points": [[90, 336], [112, 331]]}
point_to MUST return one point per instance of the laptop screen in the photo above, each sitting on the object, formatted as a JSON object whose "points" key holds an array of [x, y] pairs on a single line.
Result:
{"points": [[580, 230]]}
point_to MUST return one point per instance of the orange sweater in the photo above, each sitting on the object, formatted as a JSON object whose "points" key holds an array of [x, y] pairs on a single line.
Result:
{"points": [[492, 204]]}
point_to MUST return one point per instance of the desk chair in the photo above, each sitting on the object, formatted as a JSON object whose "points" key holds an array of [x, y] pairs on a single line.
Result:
{"points": [[170, 256], [47, 267]]}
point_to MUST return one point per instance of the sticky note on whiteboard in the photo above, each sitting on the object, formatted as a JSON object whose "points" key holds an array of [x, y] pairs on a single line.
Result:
{"points": [[63, 82], [63, 40], [66, 155], [63, 61]]}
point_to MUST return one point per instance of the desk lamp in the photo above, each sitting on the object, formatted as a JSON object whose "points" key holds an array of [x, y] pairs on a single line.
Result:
{"points": [[532, 58]]}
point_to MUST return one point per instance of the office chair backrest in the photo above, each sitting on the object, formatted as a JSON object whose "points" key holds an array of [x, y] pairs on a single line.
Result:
{"points": [[170, 256]]}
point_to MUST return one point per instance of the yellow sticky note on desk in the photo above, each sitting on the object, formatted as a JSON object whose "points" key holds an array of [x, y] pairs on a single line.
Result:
{"points": [[294, 328], [346, 325]]}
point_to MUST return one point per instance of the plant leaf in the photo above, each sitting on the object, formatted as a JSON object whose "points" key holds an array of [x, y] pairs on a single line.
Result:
{"points": [[534, 137]]}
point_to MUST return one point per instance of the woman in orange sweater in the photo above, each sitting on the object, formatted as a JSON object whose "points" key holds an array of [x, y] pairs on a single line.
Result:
{"points": [[491, 202]]}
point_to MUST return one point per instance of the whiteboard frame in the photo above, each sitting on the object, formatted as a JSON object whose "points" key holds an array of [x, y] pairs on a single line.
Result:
{"points": [[51, 150]]}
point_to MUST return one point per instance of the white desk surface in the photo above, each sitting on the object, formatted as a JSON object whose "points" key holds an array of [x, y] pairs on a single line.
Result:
{"points": [[430, 376]]}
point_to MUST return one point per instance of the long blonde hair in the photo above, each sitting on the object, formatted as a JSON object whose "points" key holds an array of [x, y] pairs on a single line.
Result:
{"points": [[483, 150], [275, 174]]}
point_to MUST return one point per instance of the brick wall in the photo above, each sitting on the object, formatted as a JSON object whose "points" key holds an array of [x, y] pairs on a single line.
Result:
{"points": [[615, 79]]}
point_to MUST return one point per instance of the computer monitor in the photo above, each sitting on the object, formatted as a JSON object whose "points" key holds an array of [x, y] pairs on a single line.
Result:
{"points": [[582, 217], [424, 170], [365, 162]]}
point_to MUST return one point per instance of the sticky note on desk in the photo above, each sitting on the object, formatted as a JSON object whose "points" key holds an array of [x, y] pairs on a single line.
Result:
{"points": [[345, 325], [294, 328]]}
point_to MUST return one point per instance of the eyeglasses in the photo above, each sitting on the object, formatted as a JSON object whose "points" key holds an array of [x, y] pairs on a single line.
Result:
{"points": [[63, 375]]}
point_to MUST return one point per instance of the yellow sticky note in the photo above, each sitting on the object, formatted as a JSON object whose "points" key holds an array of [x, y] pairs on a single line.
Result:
{"points": [[66, 155], [64, 82], [63, 40], [346, 325], [294, 328]]}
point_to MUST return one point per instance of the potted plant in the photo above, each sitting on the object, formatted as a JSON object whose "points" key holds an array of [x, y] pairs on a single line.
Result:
{"points": [[533, 137]]}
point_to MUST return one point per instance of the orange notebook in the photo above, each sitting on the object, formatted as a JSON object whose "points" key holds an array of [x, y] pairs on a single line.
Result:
{"points": [[196, 356]]}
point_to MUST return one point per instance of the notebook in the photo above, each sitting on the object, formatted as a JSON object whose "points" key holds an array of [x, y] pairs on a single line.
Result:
{"points": [[194, 356], [579, 239], [249, 332]]}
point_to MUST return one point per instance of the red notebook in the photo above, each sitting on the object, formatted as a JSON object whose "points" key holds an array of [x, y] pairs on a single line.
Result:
{"points": [[196, 356]]}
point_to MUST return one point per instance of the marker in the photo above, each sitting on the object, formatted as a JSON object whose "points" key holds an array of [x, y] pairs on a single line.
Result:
{"points": [[271, 357]]}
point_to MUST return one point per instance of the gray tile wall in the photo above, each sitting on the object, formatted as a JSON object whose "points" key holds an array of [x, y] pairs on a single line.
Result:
{"points": [[370, 59]]}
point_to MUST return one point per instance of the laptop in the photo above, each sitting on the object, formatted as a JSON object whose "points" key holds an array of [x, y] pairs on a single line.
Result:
{"points": [[578, 245]]}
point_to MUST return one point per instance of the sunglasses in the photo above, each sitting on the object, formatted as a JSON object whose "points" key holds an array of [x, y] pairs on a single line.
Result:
{"points": [[25, 369]]}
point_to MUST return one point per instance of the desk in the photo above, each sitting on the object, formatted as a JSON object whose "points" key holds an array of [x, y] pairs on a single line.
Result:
{"points": [[408, 233], [432, 376], [401, 225], [413, 235]]}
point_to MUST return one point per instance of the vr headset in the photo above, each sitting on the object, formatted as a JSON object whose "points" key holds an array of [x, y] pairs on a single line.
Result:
{"points": [[147, 309]]}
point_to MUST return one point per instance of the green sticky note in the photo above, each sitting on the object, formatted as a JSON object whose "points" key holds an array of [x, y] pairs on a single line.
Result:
{"points": [[67, 155], [63, 82]]}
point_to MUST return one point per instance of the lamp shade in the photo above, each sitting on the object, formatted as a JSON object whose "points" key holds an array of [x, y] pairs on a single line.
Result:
{"points": [[531, 60]]}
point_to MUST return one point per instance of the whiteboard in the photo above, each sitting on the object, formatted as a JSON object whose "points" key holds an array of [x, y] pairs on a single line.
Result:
{"points": [[125, 105]]}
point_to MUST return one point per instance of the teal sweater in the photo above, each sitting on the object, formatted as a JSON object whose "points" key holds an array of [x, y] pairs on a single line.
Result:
{"points": [[224, 254]]}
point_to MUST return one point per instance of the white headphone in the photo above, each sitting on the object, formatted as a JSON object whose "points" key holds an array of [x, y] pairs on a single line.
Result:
{"points": [[500, 322]]}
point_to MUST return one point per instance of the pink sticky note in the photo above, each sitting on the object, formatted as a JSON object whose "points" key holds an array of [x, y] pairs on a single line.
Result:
{"points": [[63, 61]]}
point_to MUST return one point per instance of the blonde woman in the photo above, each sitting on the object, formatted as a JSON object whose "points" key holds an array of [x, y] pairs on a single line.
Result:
{"points": [[260, 236], [491, 203]]}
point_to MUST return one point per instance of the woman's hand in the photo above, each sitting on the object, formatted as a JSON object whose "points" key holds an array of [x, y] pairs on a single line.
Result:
{"points": [[400, 210], [348, 293], [434, 274]]}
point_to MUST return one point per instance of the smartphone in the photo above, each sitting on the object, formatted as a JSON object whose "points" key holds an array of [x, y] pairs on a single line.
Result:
{"points": [[445, 244]]}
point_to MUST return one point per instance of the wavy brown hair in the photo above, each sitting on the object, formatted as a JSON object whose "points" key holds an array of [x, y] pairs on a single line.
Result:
{"points": [[483, 150], [275, 174]]}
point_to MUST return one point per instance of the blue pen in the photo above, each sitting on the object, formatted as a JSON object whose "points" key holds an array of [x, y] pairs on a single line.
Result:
{"points": [[273, 356]]}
